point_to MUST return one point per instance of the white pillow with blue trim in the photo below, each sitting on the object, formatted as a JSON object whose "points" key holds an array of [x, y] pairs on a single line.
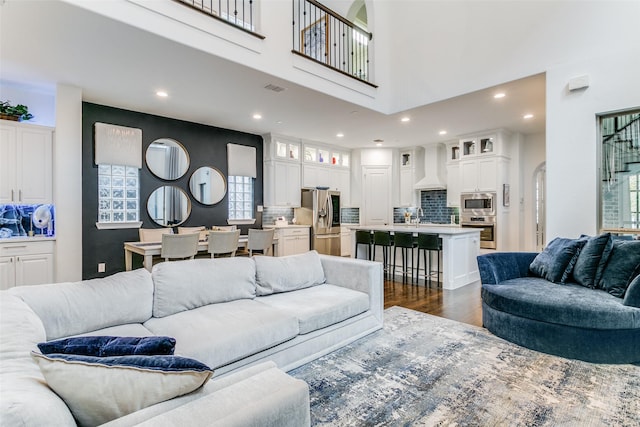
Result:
{"points": [[101, 389]]}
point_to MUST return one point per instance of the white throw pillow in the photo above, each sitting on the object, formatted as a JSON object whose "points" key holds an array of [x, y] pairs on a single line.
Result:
{"points": [[101, 389], [288, 273]]}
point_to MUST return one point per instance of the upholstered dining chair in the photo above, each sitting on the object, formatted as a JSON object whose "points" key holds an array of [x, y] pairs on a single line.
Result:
{"points": [[202, 230], [179, 246], [259, 240], [153, 234], [223, 242]]}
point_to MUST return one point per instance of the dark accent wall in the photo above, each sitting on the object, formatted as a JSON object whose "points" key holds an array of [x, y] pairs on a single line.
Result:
{"points": [[207, 146]]}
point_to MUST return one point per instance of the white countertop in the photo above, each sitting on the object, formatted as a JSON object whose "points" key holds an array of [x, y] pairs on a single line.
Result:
{"points": [[420, 228], [285, 226], [20, 239]]}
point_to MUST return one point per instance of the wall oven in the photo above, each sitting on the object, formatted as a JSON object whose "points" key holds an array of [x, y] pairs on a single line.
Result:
{"points": [[478, 204], [487, 224]]}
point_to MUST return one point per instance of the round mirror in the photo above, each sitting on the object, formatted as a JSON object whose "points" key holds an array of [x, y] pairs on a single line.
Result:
{"points": [[167, 159], [169, 206], [207, 185]]}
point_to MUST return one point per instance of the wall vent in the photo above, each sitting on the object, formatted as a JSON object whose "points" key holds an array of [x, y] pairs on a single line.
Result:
{"points": [[274, 88]]}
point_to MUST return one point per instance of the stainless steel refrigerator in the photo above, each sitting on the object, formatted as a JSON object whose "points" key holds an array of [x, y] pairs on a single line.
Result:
{"points": [[320, 208]]}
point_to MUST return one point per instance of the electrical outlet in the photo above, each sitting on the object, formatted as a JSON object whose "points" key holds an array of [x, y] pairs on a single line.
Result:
{"points": [[102, 267]]}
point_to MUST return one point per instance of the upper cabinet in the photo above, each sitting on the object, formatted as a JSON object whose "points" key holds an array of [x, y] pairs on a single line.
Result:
{"points": [[281, 171], [327, 166], [25, 163], [481, 161], [411, 170]]}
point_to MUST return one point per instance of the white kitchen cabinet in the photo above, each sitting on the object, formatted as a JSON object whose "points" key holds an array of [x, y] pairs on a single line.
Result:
{"points": [[411, 170], [315, 176], [26, 263], [483, 174], [345, 242], [453, 184], [282, 184], [25, 163], [292, 240], [340, 180]]}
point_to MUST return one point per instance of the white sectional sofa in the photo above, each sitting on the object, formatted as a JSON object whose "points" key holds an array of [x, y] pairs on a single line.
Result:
{"points": [[250, 319]]}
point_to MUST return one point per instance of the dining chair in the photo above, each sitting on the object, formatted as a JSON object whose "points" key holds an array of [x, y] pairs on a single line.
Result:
{"points": [[179, 246], [259, 240], [224, 227], [153, 234], [223, 242], [202, 230]]}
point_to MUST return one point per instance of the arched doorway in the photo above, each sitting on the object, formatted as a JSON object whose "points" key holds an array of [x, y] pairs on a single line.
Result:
{"points": [[539, 205]]}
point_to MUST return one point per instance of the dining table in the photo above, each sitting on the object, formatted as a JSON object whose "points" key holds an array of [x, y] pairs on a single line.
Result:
{"points": [[149, 250]]}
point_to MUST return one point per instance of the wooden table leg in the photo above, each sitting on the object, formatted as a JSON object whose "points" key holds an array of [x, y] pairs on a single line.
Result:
{"points": [[148, 262], [128, 255]]}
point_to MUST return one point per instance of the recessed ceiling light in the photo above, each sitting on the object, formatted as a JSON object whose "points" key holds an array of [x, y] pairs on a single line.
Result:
{"points": [[443, 132], [499, 95], [257, 116], [379, 144], [528, 116], [162, 94], [340, 135], [279, 122], [405, 119]]}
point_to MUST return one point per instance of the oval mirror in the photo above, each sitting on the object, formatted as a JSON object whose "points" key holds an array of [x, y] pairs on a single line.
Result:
{"points": [[169, 206], [167, 159], [208, 185]]}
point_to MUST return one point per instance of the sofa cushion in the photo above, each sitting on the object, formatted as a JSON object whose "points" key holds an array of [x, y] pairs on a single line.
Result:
{"points": [[592, 260], [622, 267], [556, 262], [184, 285], [100, 389], [288, 273], [126, 330], [331, 305], [104, 346], [632, 295], [571, 305], [219, 334], [74, 308]]}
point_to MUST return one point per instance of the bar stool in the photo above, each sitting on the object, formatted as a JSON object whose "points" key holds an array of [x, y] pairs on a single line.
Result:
{"points": [[364, 237], [404, 241], [428, 243], [384, 239]]}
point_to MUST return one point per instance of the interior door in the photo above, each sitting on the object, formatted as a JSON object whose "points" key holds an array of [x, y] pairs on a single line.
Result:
{"points": [[376, 195]]}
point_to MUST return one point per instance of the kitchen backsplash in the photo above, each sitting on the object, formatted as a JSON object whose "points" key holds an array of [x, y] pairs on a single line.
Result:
{"points": [[434, 206], [269, 215], [350, 216], [26, 220]]}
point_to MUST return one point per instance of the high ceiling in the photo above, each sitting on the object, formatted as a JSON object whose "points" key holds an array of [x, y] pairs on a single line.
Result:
{"points": [[118, 65]]}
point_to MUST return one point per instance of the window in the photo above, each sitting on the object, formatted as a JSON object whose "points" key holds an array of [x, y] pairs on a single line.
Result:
{"points": [[620, 168], [240, 198], [118, 194]]}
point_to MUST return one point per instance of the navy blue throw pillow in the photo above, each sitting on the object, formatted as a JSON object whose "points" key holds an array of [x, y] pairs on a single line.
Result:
{"points": [[592, 260], [622, 267], [556, 261], [105, 346]]}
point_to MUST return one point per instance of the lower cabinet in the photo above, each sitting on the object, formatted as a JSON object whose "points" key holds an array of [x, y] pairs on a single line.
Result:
{"points": [[26, 263], [292, 240], [345, 242]]}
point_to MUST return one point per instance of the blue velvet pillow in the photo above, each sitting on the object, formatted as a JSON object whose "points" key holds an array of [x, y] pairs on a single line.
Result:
{"points": [[622, 267], [592, 260], [104, 346], [100, 389], [632, 295], [556, 261]]}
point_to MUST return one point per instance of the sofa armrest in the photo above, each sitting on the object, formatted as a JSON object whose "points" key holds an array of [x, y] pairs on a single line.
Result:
{"points": [[632, 296], [500, 266], [359, 275]]}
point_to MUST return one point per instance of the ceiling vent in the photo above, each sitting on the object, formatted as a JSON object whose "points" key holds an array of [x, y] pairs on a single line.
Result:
{"points": [[274, 88]]}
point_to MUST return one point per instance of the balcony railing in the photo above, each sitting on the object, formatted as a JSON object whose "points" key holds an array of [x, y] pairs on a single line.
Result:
{"points": [[323, 36], [239, 13]]}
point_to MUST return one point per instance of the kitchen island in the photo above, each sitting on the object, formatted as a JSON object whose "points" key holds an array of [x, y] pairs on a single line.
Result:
{"points": [[460, 247]]}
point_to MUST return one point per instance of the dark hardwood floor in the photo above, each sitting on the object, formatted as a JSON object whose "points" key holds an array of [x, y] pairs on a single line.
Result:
{"points": [[462, 304]]}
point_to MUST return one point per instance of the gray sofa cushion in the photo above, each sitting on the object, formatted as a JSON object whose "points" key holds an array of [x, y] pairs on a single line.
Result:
{"points": [[74, 308], [218, 334], [622, 267], [556, 262], [331, 304], [184, 285], [570, 304], [288, 273], [592, 260]]}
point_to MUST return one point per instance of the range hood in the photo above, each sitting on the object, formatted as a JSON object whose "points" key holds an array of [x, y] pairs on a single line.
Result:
{"points": [[434, 162]]}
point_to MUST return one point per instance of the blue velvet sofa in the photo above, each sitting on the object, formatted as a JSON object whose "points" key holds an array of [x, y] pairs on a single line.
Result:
{"points": [[567, 319]]}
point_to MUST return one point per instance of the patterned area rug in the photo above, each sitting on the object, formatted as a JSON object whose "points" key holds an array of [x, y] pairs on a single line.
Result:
{"points": [[428, 371]]}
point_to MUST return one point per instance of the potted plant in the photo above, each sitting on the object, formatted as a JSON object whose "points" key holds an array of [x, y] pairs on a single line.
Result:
{"points": [[14, 112]]}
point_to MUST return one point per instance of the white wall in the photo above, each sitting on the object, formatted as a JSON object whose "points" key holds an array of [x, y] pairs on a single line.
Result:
{"points": [[67, 183], [572, 142]]}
